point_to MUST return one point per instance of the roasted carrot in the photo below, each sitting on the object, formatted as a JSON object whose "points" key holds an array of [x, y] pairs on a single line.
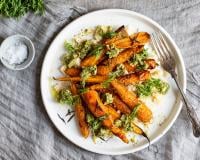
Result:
{"points": [[91, 99], [134, 40], [140, 38], [80, 114], [151, 63], [97, 87], [110, 64], [123, 43], [91, 94], [92, 79], [120, 105], [92, 60], [72, 71], [129, 67], [143, 113], [139, 131], [134, 78]]}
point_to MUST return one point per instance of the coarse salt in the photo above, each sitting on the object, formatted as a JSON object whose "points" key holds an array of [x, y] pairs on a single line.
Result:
{"points": [[16, 54]]}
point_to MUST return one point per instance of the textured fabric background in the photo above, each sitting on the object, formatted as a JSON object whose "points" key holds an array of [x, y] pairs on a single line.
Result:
{"points": [[26, 132]]}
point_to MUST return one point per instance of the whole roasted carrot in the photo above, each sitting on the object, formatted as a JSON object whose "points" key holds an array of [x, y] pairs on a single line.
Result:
{"points": [[143, 113], [80, 114], [111, 63], [92, 79], [134, 78], [91, 98]]}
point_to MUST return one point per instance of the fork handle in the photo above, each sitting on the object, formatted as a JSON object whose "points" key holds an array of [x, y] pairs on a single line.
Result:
{"points": [[190, 111]]}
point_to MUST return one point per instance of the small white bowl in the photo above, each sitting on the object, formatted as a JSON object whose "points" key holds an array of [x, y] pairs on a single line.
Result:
{"points": [[11, 41]]}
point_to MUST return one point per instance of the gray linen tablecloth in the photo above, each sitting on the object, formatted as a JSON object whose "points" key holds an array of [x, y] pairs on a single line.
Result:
{"points": [[26, 131]]}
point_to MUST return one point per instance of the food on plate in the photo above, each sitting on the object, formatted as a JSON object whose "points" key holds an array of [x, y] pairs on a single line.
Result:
{"points": [[107, 73]]}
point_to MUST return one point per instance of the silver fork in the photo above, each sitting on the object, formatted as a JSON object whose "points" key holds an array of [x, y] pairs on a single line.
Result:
{"points": [[168, 63]]}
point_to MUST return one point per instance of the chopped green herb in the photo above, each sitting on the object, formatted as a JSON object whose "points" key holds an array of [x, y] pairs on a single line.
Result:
{"points": [[109, 34], [108, 98], [18, 8], [151, 86], [95, 124], [86, 73], [103, 32], [69, 47], [64, 96], [126, 120], [84, 48], [83, 90], [97, 50], [119, 71], [138, 60], [104, 133], [113, 52], [71, 60]]}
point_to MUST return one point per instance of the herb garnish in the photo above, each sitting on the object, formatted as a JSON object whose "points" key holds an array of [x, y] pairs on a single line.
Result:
{"points": [[119, 71], [18, 8], [83, 90], [151, 86], [97, 50], [95, 123], [138, 60], [86, 73], [76, 51], [126, 120], [112, 52], [108, 98], [69, 47], [109, 34], [65, 96]]}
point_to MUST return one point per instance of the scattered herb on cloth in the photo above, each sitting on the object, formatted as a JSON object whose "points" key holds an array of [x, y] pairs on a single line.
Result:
{"points": [[18, 8]]}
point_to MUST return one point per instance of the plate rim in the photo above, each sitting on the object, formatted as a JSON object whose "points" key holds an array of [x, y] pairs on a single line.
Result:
{"points": [[178, 53]]}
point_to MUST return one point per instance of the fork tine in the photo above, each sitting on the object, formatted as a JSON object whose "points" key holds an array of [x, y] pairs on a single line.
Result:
{"points": [[164, 52], [160, 51], [165, 45], [156, 47]]}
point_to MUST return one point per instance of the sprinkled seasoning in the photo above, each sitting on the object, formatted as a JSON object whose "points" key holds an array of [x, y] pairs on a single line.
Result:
{"points": [[16, 54]]}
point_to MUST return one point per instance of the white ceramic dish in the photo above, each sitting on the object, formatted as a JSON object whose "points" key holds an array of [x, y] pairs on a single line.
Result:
{"points": [[12, 40], [169, 108]]}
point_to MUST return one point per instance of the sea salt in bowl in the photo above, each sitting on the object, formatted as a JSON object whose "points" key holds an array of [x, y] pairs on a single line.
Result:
{"points": [[17, 52]]}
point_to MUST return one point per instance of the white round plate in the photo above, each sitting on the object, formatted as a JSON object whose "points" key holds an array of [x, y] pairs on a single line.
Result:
{"points": [[169, 108]]}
